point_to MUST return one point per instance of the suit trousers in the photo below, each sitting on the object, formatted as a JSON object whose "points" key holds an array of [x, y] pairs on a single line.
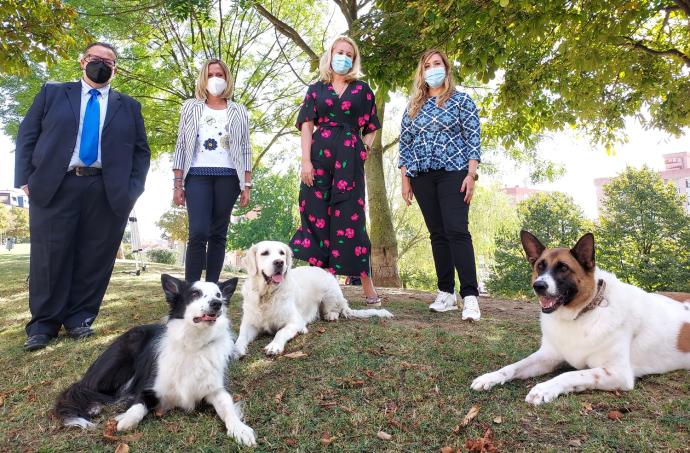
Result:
{"points": [[446, 216], [74, 241], [209, 200]]}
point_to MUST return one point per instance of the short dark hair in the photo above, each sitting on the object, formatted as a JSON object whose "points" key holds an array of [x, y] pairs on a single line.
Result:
{"points": [[101, 44]]}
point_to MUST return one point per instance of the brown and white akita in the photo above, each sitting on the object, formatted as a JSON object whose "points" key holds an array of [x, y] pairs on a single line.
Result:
{"points": [[610, 331]]}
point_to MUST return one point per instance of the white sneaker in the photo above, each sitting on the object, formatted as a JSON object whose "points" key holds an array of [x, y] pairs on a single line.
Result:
{"points": [[444, 302], [470, 310]]}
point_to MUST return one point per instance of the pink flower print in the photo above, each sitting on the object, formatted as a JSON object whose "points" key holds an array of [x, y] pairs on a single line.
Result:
{"points": [[308, 231], [349, 232], [366, 116], [329, 102], [313, 95], [318, 195], [301, 209], [358, 250], [338, 165], [347, 143], [333, 123], [319, 263], [371, 127], [363, 274], [297, 242], [320, 223], [320, 172], [325, 133], [301, 205], [361, 121], [360, 202], [312, 260], [327, 152], [327, 243], [363, 155], [340, 233], [354, 139], [335, 253], [337, 212], [373, 110], [299, 229], [345, 105], [369, 97], [364, 250], [342, 184], [359, 87], [328, 210], [312, 218], [306, 243], [354, 217], [331, 270]]}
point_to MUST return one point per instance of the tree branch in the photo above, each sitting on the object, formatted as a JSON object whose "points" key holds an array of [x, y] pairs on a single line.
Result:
{"points": [[390, 145], [288, 31], [675, 53], [684, 5]]}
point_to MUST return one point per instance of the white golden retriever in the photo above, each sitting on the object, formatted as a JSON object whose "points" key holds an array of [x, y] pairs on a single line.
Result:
{"points": [[282, 301]]}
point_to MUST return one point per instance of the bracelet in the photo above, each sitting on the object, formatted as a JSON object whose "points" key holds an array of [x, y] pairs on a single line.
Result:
{"points": [[177, 178], [248, 184], [178, 188]]}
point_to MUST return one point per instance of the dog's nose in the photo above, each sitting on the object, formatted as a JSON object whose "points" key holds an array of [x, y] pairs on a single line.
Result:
{"points": [[540, 286], [278, 264], [216, 304]]}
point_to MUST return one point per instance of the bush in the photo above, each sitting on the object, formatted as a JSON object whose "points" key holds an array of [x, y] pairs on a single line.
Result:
{"points": [[162, 256]]}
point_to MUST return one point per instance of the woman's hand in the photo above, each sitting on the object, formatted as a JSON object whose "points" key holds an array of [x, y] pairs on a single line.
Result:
{"points": [[178, 197], [244, 197], [468, 188], [307, 173], [407, 193]]}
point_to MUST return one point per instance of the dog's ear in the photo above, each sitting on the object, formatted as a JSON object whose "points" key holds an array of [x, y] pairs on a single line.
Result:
{"points": [[288, 256], [172, 287], [250, 261], [584, 252], [228, 288], [533, 248]]}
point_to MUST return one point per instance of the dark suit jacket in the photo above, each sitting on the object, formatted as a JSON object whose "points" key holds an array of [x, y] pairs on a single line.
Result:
{"points": [[48, 134]]}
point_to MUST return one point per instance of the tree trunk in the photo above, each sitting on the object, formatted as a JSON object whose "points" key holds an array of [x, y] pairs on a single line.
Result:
{"points": [[384, 246]]}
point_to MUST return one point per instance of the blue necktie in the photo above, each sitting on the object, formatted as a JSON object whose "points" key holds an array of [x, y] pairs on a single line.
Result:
{"points": [[88, 147]]}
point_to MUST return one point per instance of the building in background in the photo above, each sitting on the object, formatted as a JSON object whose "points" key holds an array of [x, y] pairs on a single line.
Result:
{"points": [[14, 197], [518, 193], [676, 170]]}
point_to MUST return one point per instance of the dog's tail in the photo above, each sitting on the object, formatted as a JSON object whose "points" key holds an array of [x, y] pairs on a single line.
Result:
{"points": [[367, 313], [77, 404]]}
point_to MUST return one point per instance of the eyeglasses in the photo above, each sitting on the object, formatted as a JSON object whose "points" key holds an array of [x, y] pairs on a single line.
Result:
{"points": [[107, 61]]}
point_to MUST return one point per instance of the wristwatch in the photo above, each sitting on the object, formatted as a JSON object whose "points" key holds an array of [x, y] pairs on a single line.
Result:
{"points": [[474, 175], [248, 185]]}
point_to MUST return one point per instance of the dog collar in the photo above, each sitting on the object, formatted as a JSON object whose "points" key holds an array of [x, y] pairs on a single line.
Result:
{"points": [[596, 300]]}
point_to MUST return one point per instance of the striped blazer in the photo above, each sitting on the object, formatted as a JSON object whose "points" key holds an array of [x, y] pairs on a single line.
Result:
{"points": [[238, 129]]}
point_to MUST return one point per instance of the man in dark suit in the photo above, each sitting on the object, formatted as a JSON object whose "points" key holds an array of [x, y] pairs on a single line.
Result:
{"points": [[82, 154]]}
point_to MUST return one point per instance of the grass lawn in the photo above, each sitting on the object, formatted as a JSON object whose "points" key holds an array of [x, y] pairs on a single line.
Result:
{"points": [[408, 377]]}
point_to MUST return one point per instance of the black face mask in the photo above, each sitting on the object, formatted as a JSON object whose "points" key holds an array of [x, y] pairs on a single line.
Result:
{"points": [[98, 72]]}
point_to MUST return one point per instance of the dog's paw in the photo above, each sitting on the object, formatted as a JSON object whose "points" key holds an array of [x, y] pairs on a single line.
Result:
{"points": [[238, 352], [487, 381], [543, 393], [304, 331], [331, 316], [274, 348], [243, 434], [126, 421], [385, 314]]}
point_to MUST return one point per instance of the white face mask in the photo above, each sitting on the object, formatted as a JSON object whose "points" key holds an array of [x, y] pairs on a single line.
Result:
{"points": [[216, 86]]}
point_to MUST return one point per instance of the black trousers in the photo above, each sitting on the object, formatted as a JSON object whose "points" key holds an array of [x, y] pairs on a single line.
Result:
{"points": [[74, 241], [446, 216], [210, 200]]}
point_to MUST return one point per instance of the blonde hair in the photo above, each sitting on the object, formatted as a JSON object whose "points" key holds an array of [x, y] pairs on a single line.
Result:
{"points": [[202, 80], [420, 89], [325, 70]]}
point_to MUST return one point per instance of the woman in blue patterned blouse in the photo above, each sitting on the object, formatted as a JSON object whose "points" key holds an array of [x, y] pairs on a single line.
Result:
{"points": [[439, 154]]}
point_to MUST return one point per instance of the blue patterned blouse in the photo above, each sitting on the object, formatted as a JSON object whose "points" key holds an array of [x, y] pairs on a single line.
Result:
{"points": [[440, 137]]}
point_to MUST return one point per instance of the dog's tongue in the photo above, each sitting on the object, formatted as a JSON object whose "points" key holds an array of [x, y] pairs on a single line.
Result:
{"points": [[547, 302], [277, 278]]}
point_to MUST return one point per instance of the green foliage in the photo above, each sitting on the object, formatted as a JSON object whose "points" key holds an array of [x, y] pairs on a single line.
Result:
{"points": [[555, 219], [161, 256], [274, 200], [36, 31], [644, 231], [19, 223], [5, 218], [175, 224]]}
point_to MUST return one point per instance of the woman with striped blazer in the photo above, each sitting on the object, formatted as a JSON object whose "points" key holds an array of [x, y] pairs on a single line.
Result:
{"points": [[212, 167]]}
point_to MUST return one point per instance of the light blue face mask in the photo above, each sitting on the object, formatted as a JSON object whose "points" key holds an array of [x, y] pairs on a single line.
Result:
{"points": [[435, 76], [341, 63]]}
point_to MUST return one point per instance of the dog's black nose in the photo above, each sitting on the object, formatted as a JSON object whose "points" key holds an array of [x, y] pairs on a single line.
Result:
{"points": [[540, 286], [216, 304], [278, 264]]}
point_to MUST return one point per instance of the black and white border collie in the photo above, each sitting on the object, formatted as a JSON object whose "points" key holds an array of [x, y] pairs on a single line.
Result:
{"points": [[163, 366]]}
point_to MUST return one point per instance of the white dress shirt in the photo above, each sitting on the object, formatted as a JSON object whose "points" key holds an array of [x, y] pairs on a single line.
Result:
{"points": [[103, 105]]}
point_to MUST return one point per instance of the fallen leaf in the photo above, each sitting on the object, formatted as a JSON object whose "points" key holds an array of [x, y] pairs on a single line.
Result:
{"points": [[279, 396], [587, 407], [291, 442], [575, 443], [370, 373], [498, 420], [447, 450], [326, 438], [482, 445], [2, 401], [295, 355], [474, 410], [190, 439], [110, 427], [615, 415], [159, 412], [321, 330], [122, 448], [383, 435], [328, 404]]}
